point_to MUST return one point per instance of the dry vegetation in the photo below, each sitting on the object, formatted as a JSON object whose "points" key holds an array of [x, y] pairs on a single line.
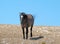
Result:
{"points": [[12, 34]]}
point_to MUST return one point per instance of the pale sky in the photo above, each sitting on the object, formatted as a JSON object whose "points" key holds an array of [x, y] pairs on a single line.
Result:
{"points": [[46, 12]]}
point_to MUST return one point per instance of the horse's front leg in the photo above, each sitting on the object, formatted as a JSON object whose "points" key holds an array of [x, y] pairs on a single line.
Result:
{"points": [[26, 32], [23, 32], [31, 31]]}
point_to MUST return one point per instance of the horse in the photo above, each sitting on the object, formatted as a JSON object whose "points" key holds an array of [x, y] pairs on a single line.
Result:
{"points": [[27, 20]]}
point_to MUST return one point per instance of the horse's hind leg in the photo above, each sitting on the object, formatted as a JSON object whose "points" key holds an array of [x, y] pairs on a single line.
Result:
{"points": [[23, 33], [26, 32]]}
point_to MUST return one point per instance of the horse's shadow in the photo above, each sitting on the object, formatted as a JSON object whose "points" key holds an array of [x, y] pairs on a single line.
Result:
{"points": [[36, 38]]}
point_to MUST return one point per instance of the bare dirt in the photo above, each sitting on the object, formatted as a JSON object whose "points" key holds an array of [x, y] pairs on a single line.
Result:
{"points": [[12, 34]]}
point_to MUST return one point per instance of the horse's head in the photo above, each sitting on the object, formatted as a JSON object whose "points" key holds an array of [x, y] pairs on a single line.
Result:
{"points": [[23, 17]]}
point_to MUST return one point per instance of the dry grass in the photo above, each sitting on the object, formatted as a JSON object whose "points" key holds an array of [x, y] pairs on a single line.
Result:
{"points": [[12, 34]]}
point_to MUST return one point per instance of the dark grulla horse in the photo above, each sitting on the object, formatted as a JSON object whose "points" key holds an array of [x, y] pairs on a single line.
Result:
{"points": [[27, 21]]}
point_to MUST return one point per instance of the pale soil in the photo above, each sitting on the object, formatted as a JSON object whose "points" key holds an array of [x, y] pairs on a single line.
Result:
{"points": [[12, 34]]}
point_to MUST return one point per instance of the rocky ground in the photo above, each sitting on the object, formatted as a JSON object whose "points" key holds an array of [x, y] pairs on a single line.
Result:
{"points": [[12, 34]]}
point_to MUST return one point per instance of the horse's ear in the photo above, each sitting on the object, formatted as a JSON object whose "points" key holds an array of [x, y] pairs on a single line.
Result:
{"points": [[22, 13]]}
